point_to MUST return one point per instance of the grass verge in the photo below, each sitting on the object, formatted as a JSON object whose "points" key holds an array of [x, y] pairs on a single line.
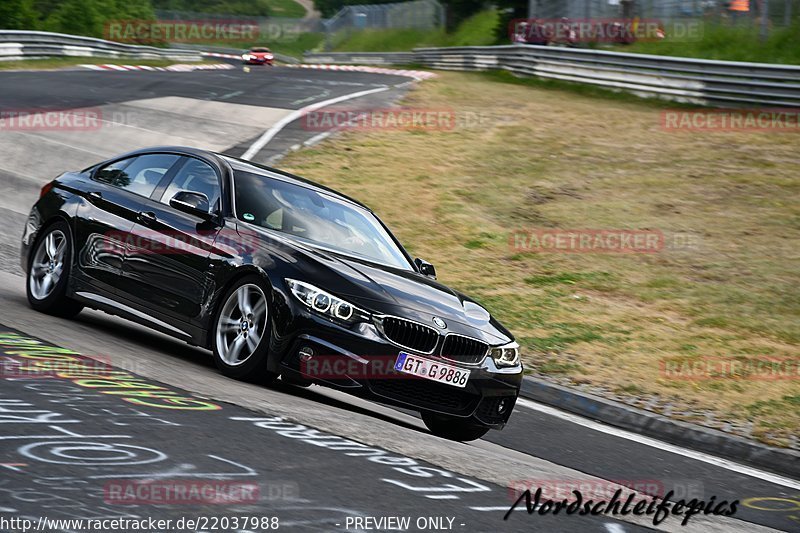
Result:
{"points": [[730, 43], [725, 285]]}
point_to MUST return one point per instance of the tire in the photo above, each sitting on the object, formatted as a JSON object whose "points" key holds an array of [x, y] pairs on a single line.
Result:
{"points": [[49, 268], [453, 428], [240, 340]]}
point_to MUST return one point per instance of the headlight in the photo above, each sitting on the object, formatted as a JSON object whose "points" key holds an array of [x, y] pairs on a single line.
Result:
{"points": [[325, 303], [507, 355], [247, 57]]}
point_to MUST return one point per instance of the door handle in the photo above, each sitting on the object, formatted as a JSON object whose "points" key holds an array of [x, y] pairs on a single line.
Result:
{"points": [[94, 196], [146, 217]]}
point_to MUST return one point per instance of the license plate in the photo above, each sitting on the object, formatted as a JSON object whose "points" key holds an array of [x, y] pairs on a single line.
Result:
{"points": [[430, 369]]}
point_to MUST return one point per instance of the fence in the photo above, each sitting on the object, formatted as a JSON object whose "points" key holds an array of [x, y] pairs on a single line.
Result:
{"points": [[19, 44], [419, 14], [698, 81]]}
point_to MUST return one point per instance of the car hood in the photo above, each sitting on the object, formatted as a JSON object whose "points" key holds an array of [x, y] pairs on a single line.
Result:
{"points": [[405, 293]]}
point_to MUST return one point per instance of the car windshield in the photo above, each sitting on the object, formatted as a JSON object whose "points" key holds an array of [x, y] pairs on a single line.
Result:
{"points": [[259, 49], [315, 218]]}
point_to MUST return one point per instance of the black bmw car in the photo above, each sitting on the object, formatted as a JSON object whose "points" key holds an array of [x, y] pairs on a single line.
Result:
{"points": [[277, 275]]}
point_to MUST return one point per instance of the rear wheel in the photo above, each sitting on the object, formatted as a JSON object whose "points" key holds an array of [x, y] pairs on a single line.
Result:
{"points": [[453, 428], [48, 272], [242, 330]]}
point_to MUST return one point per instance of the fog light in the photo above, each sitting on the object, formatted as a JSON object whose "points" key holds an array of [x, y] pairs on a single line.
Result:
{"points": [[305, 353], [502, 405]]}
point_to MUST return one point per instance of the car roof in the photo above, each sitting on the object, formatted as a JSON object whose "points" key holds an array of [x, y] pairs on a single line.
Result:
{"points": [[246, 166]]}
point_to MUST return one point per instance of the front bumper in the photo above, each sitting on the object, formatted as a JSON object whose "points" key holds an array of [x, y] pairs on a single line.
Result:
{"points": [[360, 361]]}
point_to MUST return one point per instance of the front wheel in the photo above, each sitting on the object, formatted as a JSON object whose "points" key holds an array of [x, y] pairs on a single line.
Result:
{"points": [[242, 330], [453, 428], [48, 273]]}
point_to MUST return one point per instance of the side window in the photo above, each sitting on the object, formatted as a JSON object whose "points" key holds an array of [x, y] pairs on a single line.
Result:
{"points": [[195, 176], [113, 174], [139, 174]]}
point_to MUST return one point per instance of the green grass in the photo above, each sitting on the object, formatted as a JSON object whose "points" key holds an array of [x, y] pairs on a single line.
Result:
{"points": [[292, 46], [731, 44], [400, 40], [286, 9], [721, 42], [296, 47], [477, 30], [568, 278]]}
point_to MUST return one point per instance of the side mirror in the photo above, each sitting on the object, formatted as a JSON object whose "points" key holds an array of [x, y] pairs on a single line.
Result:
{"points": [[193, 203], [425, 268]]}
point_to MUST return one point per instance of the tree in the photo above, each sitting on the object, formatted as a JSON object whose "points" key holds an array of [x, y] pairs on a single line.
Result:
{"points": [[510, 10], [458, 10], [77, 17], [18, 15], [133, 9]]}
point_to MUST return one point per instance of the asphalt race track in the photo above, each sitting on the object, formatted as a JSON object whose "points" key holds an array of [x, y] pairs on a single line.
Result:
{"points": [[67, 447]]}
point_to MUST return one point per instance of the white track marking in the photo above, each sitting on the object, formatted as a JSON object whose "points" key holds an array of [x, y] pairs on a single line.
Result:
{"points": [[268, 135], [317, 138], [665, 446], [614, 528]]}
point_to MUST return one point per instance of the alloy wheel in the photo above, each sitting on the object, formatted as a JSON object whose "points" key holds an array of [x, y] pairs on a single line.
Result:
{"points": [[48, 264], [242, 324]]}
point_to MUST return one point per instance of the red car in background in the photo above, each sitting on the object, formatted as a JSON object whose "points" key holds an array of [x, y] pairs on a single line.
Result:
{"points": [[258, 56]]}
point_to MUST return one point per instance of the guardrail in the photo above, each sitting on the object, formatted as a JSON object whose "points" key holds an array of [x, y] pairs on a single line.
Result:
{"points": [[19, 44], [698, 81], [361, 58]]}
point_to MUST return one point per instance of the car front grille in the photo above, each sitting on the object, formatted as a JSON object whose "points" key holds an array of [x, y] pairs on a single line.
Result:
{"points": [[425, 393], [408, 334], [464, 349]]}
